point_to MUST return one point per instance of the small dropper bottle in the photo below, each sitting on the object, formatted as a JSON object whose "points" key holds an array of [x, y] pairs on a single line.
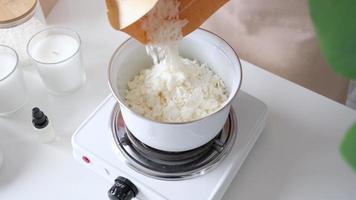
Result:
{"points": [[42, 126]]}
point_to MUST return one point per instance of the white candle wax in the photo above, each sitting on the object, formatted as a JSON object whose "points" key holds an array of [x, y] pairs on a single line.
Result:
{"points": [[54, 48], [58, 61], [12, 89], [7, 64]]}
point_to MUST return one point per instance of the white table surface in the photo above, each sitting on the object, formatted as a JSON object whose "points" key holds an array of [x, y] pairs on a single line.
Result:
{"points": [[297, 156]]}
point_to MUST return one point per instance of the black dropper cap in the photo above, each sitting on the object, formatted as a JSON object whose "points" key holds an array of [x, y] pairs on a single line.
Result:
{"points": [[39, 119]]}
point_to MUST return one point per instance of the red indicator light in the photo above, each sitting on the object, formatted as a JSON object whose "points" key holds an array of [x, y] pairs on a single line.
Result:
{"points": [[86, 159]]}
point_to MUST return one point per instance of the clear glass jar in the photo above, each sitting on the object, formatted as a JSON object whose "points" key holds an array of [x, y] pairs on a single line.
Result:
{"points": [[13, 93], [16, 30], [56, 53]]}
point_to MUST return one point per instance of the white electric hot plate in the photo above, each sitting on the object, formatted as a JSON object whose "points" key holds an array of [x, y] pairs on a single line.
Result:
{"points": [[96, 144]]}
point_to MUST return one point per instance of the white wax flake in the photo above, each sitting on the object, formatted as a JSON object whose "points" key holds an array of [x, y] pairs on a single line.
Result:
{"points": [[170, 95], [162, 23], [174, 89]]}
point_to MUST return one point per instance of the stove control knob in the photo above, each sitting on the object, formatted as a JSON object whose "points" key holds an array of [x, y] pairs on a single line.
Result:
{"points": [[123, 189]]}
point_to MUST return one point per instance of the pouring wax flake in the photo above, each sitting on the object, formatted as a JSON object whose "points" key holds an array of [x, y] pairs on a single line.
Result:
{"points": [[174, 89]]}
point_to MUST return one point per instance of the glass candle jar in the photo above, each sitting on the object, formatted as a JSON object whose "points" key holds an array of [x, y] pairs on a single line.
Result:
{"points": [[19, 20], [12, 87], [56, 53]]}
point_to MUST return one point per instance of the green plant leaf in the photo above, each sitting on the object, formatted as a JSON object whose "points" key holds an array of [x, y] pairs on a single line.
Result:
{"points": [[335, 25], [348, 147]]}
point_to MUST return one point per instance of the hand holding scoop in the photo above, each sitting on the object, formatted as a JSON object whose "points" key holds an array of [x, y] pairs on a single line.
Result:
{"points": [[127, 15]]}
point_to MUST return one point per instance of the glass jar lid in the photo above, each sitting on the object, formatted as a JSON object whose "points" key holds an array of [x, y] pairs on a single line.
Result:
{"points": [[15, 12]]}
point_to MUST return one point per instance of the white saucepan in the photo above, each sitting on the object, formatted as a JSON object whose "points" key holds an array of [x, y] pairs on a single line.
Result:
{"points": [[130, 58]]}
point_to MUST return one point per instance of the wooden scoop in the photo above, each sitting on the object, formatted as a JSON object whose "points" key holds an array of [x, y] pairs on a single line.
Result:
{"points": [[126, 15]]}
